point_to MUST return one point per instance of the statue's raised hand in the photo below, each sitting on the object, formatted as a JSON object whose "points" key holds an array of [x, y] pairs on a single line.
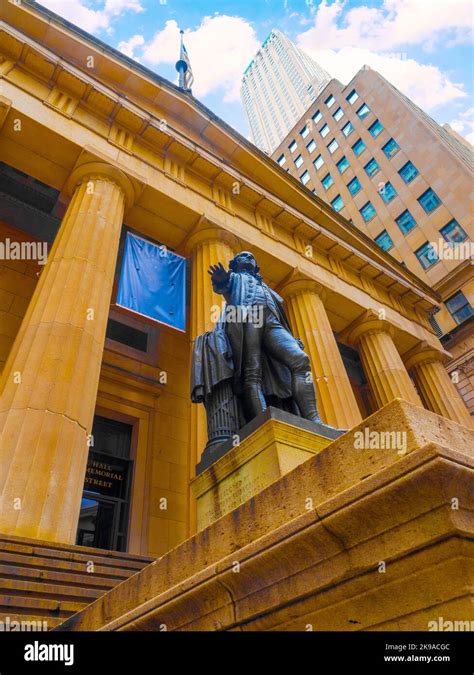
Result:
{"points": [[218, 274]]}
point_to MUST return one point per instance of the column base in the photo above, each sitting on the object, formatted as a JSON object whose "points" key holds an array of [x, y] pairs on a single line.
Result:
{"points": [[270, 446]]}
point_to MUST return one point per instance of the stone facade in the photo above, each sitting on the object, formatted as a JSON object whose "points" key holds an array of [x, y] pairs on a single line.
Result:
{"points": [[123, 147]]}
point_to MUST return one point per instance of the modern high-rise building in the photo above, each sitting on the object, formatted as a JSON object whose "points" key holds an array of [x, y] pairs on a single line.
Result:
{"points": [[278, 86], [403, 180]]}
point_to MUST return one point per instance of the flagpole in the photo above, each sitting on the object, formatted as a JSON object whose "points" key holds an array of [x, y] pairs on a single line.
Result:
{"points": [[181, 65]]}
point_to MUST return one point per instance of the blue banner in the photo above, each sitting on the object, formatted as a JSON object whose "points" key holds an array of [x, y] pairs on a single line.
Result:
{"points": [[153, 282]]}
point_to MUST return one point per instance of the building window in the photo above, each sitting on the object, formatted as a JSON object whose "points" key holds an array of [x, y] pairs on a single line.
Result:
{"points": [[338, 114], [390, 148], [304, 178], [311, 147], [347, 129], [408, 172], [358, 147], [333, 146], [292, 147], [384, 240], [367, 212], [304, 132], [376, 128], [426, 255], [330, 101], [337, 203], [327, 181], [298, 161], [459, 307], [405, 221], [453, 232], [318, 162], [127, 335], [281, 160], [353, 96], [342, 164], [354, 186], [363, 111], [324, 130], [429, 200], [371, 168], [387, 192], [317, 116]]}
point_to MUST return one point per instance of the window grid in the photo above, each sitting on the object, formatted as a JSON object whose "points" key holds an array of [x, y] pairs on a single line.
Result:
{"points": [[368, 212], [390, 148], [354, 186], [426, 255], [384, 240]]}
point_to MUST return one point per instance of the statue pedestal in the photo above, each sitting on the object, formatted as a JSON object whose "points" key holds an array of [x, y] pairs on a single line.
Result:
{"points": [[270, 446]]}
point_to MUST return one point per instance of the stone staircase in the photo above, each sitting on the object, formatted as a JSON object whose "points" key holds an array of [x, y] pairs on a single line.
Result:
{"points": [[43, 581]]}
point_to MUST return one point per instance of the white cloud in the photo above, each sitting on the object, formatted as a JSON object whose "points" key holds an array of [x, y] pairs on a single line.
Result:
{"points": [[92, 20], [128, 47], [464, 124], [426, 85], [119, 7], [219, 51], [394, 24], [343, 41]]}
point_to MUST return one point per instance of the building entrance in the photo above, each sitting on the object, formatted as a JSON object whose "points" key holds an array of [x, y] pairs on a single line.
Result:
{"points": [[103, 518]]}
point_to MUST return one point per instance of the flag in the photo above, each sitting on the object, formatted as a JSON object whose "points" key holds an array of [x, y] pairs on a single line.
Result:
{"points": [[187, 72], [153, 282]]}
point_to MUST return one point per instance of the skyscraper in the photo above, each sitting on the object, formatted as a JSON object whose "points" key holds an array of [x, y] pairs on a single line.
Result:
{"points": [[406, 182], [278, 86]]}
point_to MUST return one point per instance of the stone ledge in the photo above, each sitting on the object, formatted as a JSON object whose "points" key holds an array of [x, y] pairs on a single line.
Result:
{"points": [[369, 505]]}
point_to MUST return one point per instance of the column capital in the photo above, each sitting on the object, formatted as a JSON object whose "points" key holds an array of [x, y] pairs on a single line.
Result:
{"points": [[367, 323], [423, 352], [297, 282], [90, 170], [204, 231]]}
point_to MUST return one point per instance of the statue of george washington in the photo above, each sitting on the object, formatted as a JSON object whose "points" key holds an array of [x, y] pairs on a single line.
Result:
{"points": [[251, 359]]}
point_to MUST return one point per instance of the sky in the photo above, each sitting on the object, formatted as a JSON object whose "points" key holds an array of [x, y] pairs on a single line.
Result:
{"points": [[424, 47]]}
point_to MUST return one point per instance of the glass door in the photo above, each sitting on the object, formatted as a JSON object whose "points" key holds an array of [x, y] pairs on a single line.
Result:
{"points": [[105, 502]]}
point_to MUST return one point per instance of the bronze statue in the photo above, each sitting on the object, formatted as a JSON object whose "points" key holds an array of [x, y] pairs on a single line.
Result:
{"points": [[251, 359]]}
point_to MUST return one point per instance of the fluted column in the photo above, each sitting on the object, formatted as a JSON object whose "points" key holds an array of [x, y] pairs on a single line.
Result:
{"points": [[209, 245], [304, 301], [434, 384], [387, 376], [49, 385]]}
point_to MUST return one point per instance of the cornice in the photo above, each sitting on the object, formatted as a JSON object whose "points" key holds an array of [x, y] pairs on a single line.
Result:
{"points": [[207, 125], [182, 153]]}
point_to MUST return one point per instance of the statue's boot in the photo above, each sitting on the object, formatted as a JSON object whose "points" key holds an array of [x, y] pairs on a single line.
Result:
{"points": [[305, 397], [303, 393], [253, 401]]}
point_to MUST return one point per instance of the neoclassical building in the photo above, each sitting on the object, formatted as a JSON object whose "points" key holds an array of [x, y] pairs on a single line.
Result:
{"points": [[93, 145]]}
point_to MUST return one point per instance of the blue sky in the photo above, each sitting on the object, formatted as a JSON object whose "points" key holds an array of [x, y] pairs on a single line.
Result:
{"points": [[424, 47]]}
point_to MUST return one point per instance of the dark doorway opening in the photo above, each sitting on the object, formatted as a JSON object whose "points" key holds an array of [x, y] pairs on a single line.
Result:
{"points": [[103, 519]]}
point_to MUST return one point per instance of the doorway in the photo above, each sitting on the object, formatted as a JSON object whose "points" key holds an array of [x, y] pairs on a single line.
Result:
{"points": [[105, 505]]}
